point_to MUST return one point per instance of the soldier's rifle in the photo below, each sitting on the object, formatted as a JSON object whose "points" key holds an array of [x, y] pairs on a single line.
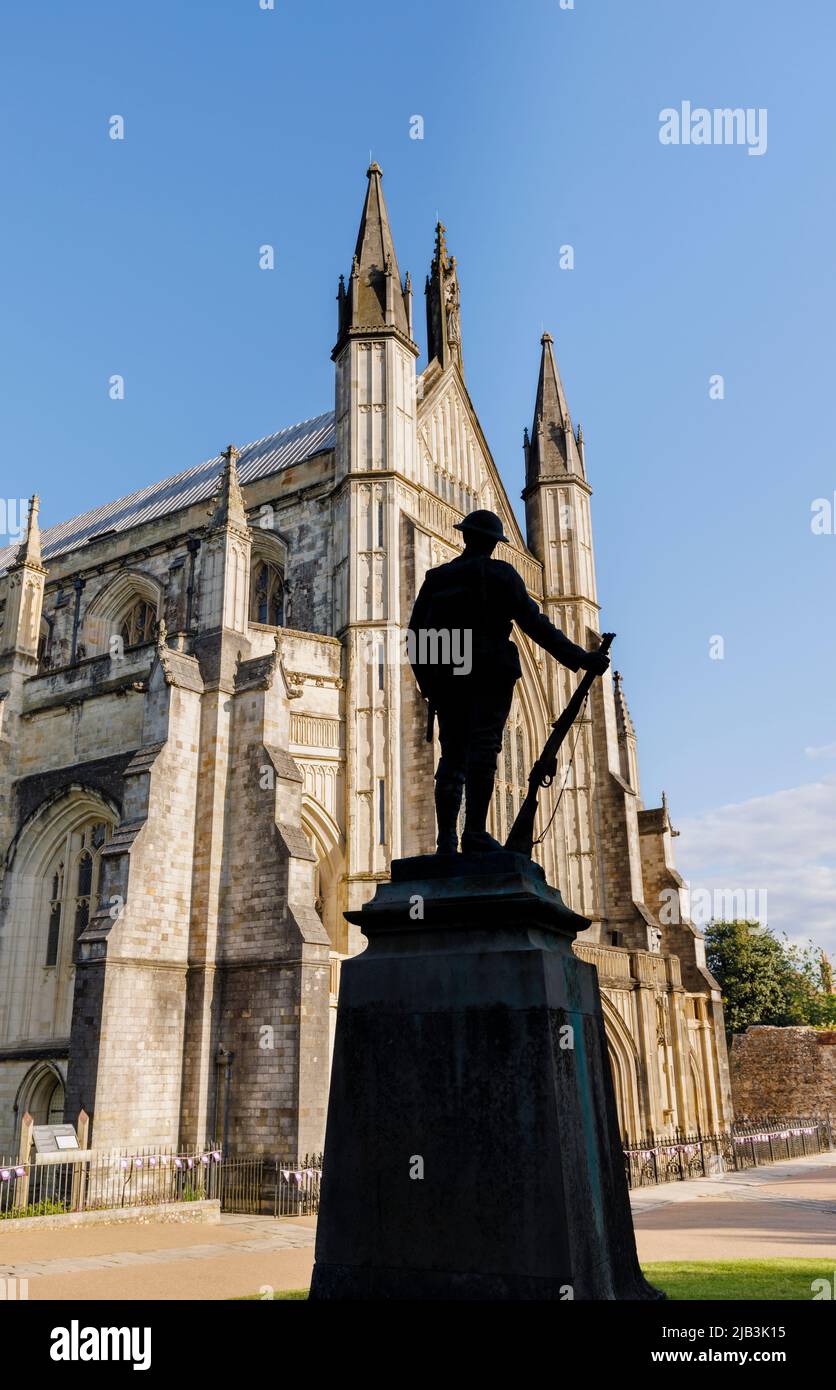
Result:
{"points": [[521, 837]]}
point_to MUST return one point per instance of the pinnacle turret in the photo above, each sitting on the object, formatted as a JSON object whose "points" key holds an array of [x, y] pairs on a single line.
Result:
{"points": [[26, 574], [553, 448], [444, 339], [375, 298], [29, 551], [622, 714], [228, 502], [626, 734]]}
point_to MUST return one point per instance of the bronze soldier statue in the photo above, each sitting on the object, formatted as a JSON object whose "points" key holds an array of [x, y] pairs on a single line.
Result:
{"points": [[466, 666]]}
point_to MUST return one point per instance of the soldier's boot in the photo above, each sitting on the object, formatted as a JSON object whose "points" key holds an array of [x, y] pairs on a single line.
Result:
{"points": [[448, 803], [478, 793]]}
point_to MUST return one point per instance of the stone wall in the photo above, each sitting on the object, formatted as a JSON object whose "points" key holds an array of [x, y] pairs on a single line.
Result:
{"points": [[783, 1071]]}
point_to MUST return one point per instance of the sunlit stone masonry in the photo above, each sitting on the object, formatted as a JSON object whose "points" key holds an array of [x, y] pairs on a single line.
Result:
{"points": [[210, 748]]}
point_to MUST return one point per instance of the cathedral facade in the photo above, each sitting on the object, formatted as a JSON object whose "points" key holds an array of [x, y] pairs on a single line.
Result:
{"points": [[212, 746]]}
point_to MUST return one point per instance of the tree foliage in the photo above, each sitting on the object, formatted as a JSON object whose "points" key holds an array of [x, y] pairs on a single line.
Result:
{"points": [[767, 981]]}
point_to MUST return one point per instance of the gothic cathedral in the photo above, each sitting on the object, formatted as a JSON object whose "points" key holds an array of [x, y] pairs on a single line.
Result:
{"points": [[211, 747]]}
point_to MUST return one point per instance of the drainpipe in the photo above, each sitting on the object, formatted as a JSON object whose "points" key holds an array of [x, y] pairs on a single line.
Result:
{"points": [[225, 1059]]}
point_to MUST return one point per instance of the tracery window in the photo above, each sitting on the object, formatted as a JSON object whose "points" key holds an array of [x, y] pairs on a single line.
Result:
{"points": [[74, 885], [55, 904], [267, 597], [139, 624]]}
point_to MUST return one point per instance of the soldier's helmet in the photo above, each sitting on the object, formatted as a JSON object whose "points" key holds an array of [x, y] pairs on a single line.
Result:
{"points": [[484, 524]]}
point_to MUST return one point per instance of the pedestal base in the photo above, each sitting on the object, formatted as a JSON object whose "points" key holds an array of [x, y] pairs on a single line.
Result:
{"points": [[472, 1149]]}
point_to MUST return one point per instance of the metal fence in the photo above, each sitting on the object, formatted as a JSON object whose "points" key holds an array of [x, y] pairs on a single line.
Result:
{"points": [[262, 1186], [676, 1158], [265, 1186], [259, 1185], [107, 1181]]}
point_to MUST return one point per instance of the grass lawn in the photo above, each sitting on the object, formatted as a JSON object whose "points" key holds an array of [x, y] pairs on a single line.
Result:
{"points": [[280, 1293], [705, 1280]]}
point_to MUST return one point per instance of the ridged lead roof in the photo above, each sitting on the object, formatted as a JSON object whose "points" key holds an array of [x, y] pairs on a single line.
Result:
{"points": [[269, 455]]}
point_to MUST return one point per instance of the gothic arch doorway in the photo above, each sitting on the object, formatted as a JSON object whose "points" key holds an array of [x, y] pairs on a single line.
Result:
{"points": [[40, 1094]]}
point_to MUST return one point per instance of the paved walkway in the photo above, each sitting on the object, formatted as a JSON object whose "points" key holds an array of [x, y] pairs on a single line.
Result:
{"points": [[162, 1260], [788, 1209], [785, 1209]]}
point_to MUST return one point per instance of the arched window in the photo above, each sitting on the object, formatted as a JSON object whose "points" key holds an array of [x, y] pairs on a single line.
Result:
{"points": [[44, 644], [73, 896], [55, 904], [138, 624], [267, 596]]}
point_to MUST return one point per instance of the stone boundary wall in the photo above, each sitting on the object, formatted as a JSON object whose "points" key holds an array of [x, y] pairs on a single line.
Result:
{"points": [[783, 1071], [206, 1213]]}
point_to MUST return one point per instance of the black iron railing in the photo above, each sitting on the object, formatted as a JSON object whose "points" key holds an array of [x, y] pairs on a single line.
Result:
{"points": [[678, 1157], [107, 1181], [262, 1186]]}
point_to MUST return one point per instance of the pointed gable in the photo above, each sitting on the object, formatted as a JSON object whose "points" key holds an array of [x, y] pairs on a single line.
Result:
{"points": [[456, 463]]}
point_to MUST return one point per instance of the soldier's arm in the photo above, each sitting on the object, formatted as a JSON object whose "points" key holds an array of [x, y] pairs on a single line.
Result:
{"points": [[537, 626]]}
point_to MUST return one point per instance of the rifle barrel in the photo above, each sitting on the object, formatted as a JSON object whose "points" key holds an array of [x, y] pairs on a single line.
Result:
{"points": [[521, 836]]}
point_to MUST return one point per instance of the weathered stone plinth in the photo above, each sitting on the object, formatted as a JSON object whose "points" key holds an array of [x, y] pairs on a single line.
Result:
{"points": [[470, 1044]]}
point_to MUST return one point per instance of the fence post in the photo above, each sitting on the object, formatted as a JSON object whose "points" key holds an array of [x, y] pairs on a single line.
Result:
{"points": [[27, 1124], [80, 1169]]}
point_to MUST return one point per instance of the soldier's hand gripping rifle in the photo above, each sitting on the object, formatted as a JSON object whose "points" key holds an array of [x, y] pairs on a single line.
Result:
{"points": [[521, 838]]}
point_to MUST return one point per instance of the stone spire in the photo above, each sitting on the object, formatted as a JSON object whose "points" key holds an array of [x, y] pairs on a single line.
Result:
{"points": [[29, 552], [552, 449], [626, 734], [444, 340], [375, 298], [228, 502]]}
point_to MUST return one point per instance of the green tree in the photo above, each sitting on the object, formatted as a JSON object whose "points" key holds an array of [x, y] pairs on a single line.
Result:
{"points": [[809, 989], [767, 981], [748, 964]]}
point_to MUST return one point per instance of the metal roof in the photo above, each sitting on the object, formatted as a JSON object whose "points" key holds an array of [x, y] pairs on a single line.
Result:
{"points": [[269, 455]]}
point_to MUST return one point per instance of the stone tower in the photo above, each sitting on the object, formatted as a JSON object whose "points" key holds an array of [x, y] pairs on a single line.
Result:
{"points": [[375, 359], [559, 534]]}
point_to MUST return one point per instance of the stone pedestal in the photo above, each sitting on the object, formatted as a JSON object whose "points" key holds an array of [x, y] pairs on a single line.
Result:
{"points": [[472, 1148]]}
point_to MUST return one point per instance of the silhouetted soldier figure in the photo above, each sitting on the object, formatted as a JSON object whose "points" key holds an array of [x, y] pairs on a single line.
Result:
{"points": [[479, 596]]}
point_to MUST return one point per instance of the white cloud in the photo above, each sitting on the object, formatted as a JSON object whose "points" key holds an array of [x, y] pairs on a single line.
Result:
{"points": [[784, 845], [825, 750]]}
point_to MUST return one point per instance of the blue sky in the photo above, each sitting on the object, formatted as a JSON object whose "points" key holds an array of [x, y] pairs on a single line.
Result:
{"points": [[246, 126]]}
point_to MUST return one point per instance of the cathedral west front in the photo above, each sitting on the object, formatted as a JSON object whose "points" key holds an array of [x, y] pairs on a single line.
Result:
{"points": [[211, 748]]}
